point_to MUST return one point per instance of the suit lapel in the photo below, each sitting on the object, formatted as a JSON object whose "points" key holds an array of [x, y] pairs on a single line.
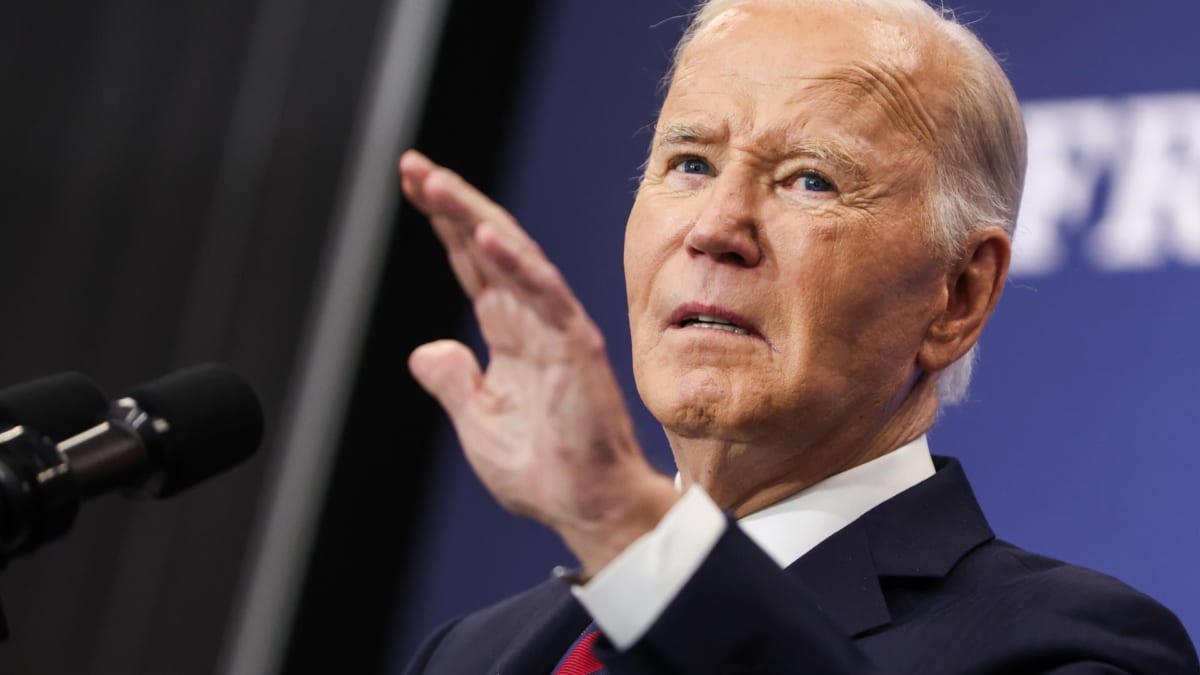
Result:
{"points": [[925, 530], [543, 639], [840, 574], [922, 532]]}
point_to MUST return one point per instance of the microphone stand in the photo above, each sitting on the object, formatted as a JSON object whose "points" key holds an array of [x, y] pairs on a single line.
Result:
{"points": [[38, 496]]}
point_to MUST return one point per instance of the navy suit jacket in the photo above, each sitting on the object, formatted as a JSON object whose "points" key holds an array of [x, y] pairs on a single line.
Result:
{"points": [[919, 584]]}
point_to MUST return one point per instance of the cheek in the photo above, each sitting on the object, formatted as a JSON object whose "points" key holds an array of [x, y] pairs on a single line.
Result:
{"points": [[887, 300], [636, 282], [639, 278], [862, 288], [652, 233], [632, 259]]}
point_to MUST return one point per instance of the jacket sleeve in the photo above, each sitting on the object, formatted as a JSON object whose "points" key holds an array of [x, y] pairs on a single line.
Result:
{"points": [[739, 613], [428, 648]]}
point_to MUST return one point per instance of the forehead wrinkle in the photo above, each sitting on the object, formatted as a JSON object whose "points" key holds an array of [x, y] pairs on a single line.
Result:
{"points": [[788, 139], [692, 126], [896, 93]]}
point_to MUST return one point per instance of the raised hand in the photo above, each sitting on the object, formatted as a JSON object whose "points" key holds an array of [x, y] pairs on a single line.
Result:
{"points": [[544, 427]]}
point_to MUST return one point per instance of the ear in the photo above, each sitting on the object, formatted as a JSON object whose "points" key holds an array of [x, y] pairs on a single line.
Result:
{"points": [[973, 287]]}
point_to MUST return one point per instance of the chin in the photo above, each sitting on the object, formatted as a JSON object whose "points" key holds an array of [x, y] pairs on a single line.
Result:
{"points": [[696, 404], [691, 420]]}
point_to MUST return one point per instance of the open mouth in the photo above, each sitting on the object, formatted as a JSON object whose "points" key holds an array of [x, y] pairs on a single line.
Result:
{"points": [[714, 323]]}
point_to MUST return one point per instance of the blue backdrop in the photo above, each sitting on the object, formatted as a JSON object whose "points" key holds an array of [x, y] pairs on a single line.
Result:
{"points": [[1080, 432]]}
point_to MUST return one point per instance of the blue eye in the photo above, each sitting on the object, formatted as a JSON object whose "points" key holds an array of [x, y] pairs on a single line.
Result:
{"points": [[695, 165], [815, 183]]}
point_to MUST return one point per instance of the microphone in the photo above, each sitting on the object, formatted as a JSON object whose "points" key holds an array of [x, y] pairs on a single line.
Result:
{"points": [[57, 406], [168, 434], [162, 438]]}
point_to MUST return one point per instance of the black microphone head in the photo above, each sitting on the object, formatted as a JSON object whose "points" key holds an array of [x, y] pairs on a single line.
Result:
{"points": [[215, 421], [58, 406]]}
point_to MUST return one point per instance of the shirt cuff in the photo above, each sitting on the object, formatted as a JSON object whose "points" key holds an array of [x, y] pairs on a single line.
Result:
{"points": [[631, 592]]}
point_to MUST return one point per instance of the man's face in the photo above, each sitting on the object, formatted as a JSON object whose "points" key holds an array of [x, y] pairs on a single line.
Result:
{"points": [[779, 281]]}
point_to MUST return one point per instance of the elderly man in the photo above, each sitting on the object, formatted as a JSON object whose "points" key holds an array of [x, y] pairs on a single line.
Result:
{"points": [[821, 233]]}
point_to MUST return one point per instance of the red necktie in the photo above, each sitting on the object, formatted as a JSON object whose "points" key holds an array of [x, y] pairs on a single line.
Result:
{"points": [[580, 660]]}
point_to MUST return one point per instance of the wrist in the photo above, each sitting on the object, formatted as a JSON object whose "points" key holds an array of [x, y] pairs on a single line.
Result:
{"points": [[636, 508]]}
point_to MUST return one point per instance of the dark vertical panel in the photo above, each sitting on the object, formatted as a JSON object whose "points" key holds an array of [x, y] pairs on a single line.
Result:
{"points": [[366, 533], [115, 140]]}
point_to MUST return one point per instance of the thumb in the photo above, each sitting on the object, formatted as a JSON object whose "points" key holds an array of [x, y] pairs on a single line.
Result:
{"points": [[448, 370]]}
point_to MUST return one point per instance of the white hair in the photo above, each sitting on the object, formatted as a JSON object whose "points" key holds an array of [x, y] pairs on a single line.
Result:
{"points": [[980, 160]]}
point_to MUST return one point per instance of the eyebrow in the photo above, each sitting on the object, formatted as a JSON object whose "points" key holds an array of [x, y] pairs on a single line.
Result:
{"points": [[823, 150], [828, 152], [678, 133]]}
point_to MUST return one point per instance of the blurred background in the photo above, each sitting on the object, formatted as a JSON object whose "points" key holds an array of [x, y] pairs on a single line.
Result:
{"points": [[198, 181]]}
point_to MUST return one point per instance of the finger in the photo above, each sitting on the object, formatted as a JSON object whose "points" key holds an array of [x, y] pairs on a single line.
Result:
{"points": [[414, 168], [442, 192], [464, 264], [458, 208], [530, 274], [448, 370], [458, 212], [455, 208]]}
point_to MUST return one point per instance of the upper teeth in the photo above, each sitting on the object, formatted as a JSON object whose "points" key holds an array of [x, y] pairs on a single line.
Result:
{"points": [[706, 321]]}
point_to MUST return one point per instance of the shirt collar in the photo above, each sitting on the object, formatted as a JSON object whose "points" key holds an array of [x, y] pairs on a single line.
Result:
{"points": [[788, 529]]}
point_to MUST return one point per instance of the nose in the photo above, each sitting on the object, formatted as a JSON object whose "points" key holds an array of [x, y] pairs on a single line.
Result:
{"points": [[727, 228]]}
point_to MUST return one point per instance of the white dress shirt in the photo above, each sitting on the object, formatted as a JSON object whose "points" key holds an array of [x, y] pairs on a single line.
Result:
{"points": [[630, 593]]}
